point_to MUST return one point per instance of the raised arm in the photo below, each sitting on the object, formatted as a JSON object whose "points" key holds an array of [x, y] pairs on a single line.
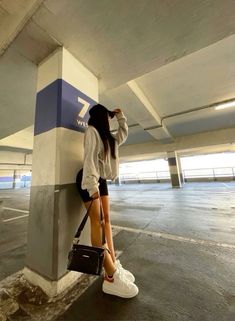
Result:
{"points": [[122, 132]]}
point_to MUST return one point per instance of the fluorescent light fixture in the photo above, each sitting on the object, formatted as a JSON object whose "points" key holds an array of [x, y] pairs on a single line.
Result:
{"points": [[229, 104]]}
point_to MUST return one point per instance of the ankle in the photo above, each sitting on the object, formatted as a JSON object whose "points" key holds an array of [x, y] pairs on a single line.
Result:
{"points": [[108, 277]]}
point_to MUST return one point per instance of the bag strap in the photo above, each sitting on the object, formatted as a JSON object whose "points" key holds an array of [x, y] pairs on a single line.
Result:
{"points": [[81, 226]]}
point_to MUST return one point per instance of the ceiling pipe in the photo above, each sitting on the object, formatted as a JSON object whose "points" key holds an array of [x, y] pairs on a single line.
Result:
{"points": [[188, 112], [197, 109]]}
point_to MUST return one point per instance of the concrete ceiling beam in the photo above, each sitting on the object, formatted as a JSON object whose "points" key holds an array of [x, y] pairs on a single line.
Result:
{"points": [[207, 139], [207, 150], [14, 16], [160, 132]]}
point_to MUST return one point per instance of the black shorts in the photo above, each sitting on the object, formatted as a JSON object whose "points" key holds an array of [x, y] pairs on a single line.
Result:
{"points": [[103, 188]]}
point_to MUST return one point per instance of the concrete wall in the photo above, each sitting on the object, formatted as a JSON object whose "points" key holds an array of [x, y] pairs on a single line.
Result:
{"points": [[202, 140], [15, 160]]}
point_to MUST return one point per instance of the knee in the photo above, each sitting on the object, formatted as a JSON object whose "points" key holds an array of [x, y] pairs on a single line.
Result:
{"points": [[107, 222], [95, 223]]}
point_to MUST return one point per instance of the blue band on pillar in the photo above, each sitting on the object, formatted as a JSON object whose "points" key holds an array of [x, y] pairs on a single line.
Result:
{"points": [[61, 105]]}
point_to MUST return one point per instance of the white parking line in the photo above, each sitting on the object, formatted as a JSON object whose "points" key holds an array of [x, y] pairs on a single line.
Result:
{"points": [[226, 185], [15, 218], [15, 209], [176, 237]]}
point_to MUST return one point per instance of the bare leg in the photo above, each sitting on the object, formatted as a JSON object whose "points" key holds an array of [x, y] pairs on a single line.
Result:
{"points": [[96, 234], [108, 228]]}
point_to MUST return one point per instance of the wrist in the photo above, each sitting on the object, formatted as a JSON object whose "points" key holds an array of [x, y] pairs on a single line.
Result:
{"points": [[93, 191], [120, 115], [95, 195]]}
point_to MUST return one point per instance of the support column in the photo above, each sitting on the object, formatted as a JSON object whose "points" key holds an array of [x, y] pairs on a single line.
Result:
{"points": [[180, 169], [14, 180], [174, 169], [1, 220], [118, 181], [66, 91]]}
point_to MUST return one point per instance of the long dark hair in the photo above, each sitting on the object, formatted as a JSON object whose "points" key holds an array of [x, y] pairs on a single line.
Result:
{"points": [[99, 119]]}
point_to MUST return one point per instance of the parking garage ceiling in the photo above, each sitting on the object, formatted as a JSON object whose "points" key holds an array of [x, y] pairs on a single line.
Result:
{"points": [[165, 63]]}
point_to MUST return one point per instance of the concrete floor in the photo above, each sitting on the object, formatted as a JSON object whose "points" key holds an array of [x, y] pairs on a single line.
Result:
{"points": [[177, 281], [180, 244], [13, 234], [199, 210]]}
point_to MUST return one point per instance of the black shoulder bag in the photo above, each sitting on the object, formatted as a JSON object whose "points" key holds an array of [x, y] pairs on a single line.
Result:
{"points": [[84, 258]]}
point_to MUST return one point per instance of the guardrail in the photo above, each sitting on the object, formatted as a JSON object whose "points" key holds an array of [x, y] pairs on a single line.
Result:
{"points": [[210, 172], [203, 173], [142, 176], [10, 179], [152, 176]]}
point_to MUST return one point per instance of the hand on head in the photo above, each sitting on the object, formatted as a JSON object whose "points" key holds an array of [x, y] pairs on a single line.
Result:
{"points": [[117, 110]]}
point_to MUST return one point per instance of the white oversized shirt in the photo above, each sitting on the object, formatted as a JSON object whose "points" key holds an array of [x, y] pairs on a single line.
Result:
{"points": [[94, 165]]}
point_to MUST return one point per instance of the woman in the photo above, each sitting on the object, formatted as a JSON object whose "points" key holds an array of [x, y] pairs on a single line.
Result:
{"points": [[100, 163]]}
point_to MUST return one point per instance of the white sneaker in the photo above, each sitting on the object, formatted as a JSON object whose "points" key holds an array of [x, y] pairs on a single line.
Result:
{"points": [[128, 275], [120, 286]]}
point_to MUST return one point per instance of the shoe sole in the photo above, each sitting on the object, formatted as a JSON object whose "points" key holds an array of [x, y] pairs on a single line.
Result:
{"points": [[125, 296]]}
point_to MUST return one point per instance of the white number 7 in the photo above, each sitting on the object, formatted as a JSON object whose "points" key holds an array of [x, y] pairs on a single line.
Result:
{"points": [[85, 107]]}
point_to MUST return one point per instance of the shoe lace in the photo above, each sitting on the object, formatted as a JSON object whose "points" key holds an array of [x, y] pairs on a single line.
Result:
{"points": [[120, 268], [125, 283], [123, 280]]}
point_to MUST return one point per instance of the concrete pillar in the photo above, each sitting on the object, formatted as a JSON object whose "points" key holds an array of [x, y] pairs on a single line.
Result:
{"points": [[1, 220], [14, 180], [180, 169], [174, 169], [66, 90], [118, 181]]}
